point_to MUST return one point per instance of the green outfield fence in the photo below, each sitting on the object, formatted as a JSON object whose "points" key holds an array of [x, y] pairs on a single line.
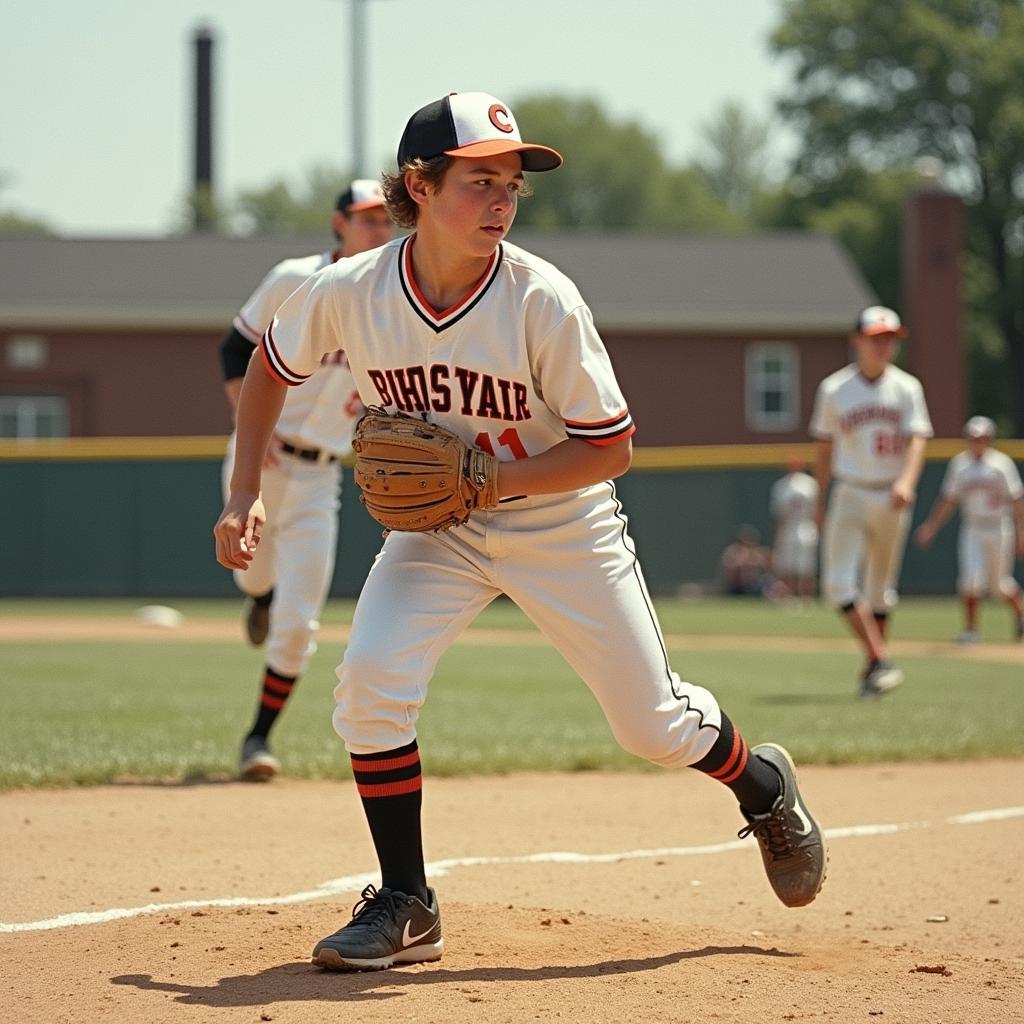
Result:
{"points": [[133, 516]]}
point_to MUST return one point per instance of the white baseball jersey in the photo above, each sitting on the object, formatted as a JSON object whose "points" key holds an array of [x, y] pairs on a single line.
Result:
{"points": [[869, 422], [515, 368], [985, 488], [323, 414]]}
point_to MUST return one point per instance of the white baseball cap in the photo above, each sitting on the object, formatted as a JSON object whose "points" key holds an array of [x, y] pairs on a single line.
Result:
{"points": [[470, 124], [979, 426], [877, 320], [362, 194]]}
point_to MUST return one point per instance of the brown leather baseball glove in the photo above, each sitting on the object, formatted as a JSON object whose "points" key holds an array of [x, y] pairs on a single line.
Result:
{"points": [[417, 476]]}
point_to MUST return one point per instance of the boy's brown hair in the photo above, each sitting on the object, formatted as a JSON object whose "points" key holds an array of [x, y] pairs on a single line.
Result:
{"points": [[400, 205]]}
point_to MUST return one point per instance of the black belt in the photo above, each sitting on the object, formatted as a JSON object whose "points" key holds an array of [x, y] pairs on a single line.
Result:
{"points": [[867, 485], [308, 454]]}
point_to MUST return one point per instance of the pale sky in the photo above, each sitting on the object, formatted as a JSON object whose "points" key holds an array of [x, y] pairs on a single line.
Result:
{"points": [[96, 118]]}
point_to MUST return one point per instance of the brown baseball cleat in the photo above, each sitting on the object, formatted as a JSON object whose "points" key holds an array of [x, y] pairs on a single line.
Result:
{"points": [[792, 846], [257, 621]]}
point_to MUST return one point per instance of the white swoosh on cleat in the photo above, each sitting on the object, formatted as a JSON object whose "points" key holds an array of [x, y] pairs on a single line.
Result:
{"points": [[408, 940], [800, 813]]}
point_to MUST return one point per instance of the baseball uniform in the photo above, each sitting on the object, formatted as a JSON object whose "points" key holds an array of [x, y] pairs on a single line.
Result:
{"points": [[301, 493], [868, 423], [514, 368], [985, 489], [793, 499]]}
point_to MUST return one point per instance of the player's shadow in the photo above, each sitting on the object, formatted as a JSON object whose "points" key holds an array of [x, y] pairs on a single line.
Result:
{"points": [[302, 982]]}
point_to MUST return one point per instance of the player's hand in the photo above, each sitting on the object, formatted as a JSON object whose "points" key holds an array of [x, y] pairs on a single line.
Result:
{"points": [[238, 530], [901, 495], [924, 535]]}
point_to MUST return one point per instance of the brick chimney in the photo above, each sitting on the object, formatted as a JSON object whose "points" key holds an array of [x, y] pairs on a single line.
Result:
{"points": [[202, 182], [932, 303]]}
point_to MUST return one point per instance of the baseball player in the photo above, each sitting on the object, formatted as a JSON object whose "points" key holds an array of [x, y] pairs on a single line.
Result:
{"points": [[987, 487], [871, 425], [793, 501], [456, 326], [301, 476]]}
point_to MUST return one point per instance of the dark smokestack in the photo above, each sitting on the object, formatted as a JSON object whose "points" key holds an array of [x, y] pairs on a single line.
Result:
{"points": [[202, 200]]}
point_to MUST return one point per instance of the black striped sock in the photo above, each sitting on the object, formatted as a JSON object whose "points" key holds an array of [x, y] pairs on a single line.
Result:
{"points": [[276, 690], [754, 782], [390, 784]]}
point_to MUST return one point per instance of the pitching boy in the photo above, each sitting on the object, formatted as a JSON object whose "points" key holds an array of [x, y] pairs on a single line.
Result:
{"points": [[987, 487], [458, 327], [301, 476], [872, 424]]}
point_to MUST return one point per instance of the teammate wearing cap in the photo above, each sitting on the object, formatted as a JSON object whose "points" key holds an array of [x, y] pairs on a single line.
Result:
{"points": [[871, 425], [793, 501], [301, 476], [987, 487], [456, 326]]}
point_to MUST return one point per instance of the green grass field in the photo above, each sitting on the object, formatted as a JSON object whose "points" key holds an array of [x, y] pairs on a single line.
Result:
{"points": [[98, 711]]}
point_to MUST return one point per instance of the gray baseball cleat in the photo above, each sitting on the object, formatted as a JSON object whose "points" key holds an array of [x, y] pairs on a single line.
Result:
{"points": [[792, 846], [880, 678], [257, 763], [257, 621], [387, 927]]}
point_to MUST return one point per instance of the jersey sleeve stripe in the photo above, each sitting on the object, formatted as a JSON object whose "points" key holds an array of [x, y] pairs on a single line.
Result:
{"points": [[276, 365], [602, 441], [605, 432], [599, 423]]}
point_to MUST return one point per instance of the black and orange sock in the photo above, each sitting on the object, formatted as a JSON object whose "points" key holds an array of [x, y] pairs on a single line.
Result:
{"points": [[390, 785], [882, 622], [276, 690], [755, 783]]}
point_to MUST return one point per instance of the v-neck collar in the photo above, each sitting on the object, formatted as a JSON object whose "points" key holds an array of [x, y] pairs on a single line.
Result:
{"points": [[439, 320]]}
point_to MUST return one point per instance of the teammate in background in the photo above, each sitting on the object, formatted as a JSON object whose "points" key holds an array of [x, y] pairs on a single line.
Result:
{"points": [[794, 501], [872, 426], [457, 326], [301, 476], [745, 565], [987, 487]]}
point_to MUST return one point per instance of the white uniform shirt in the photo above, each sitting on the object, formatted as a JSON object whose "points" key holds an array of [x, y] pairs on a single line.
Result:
{"points": [[985, 487], [869, 422], [793, 499], [322, 414], [514, 368]]}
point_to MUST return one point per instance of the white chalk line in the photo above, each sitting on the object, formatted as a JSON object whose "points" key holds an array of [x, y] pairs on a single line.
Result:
{"points": [[439, 868]]}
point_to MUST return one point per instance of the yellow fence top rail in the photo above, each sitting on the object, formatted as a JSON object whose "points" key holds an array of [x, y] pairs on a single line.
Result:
{"points": [[700, 456]]}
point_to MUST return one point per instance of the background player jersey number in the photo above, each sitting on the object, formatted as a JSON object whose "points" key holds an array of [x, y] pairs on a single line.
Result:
{"points": [[888, 442], [507, 439]]}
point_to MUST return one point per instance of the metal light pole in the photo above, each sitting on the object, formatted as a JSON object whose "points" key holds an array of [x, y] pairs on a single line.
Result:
{"points": [[357, 9]]}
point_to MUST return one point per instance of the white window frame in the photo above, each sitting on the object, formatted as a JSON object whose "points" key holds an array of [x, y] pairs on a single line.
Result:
{"points": [[28, 410], [759, 381]]}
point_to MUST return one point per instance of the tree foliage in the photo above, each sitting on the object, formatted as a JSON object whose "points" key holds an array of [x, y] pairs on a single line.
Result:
{"points": [[878, 85], [615, 176]]}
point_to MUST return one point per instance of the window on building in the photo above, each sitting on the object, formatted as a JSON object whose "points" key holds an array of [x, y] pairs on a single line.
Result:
{"points": [[773, 386], [33, 416]]}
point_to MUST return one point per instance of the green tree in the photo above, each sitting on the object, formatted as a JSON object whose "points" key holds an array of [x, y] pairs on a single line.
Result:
{"points": [[878, 85], [14, 223], [735, 166], [279, 209], [615, 176]]}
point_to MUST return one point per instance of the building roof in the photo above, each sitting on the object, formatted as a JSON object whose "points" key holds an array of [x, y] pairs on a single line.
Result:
{"points": [[771, 282]]}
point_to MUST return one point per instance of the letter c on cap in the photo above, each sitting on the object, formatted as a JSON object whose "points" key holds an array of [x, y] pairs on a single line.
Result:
{"points": [[499, 116]]}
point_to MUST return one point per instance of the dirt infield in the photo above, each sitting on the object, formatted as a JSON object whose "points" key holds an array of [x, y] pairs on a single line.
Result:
{"points": [[660, 916]]}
